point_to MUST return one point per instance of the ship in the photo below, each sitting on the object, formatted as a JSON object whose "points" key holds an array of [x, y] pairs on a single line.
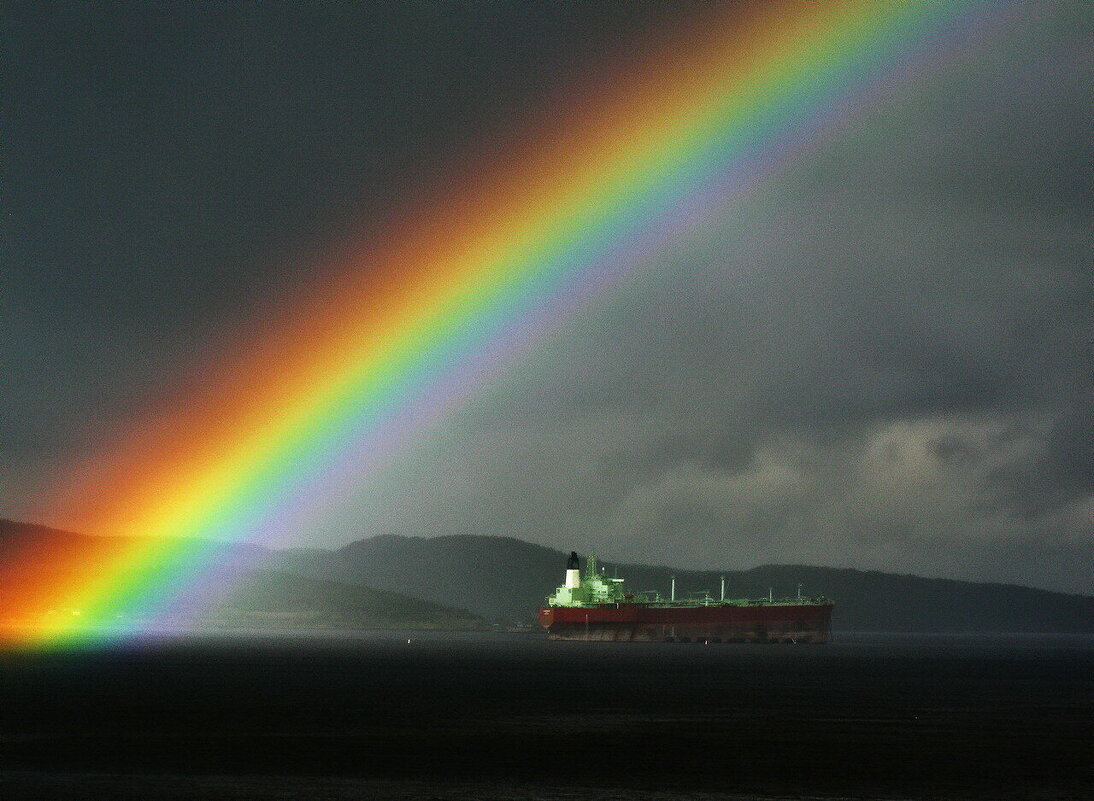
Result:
{"points": [[594, 606]]}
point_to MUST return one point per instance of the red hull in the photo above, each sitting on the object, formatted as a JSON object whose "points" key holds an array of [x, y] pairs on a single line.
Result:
{"points": [[805, 623]]}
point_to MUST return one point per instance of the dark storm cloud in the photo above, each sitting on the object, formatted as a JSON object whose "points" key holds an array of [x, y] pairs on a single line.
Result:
{"points": [[880, 357], [170, 167]]}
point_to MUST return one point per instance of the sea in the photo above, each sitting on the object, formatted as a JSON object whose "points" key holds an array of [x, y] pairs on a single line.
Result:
{"points": [[483, 715]]}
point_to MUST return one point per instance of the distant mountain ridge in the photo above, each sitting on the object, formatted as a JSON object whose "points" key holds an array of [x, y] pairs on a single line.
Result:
{"points": [[504, 579]]}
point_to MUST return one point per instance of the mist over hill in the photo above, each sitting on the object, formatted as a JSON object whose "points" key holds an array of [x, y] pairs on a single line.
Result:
{"points": [[273, 599]]}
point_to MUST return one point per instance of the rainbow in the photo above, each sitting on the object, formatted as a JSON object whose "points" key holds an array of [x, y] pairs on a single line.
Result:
{"points": [[414, 322]]}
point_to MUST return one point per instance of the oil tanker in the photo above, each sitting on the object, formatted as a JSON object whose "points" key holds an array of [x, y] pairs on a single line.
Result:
{"points": [[595, 607]]}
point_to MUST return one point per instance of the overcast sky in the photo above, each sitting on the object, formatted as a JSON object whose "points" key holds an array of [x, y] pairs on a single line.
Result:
{"points": [[880, 357]]}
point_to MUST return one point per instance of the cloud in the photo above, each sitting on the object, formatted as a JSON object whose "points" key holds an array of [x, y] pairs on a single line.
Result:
{"points": [[880, 357]]}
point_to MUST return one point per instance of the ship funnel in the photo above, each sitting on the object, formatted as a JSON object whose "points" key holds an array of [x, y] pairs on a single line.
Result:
{"points": [[573, 571]]}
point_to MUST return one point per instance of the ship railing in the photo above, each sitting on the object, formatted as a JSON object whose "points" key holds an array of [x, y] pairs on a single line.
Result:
{"points": [[706, 601]]}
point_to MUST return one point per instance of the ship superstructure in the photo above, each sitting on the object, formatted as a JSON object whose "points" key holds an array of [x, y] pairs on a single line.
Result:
{"points": [[592, 606]]}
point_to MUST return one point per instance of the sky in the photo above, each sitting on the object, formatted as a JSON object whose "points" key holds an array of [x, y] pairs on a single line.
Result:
{"points": [[878, 357]]}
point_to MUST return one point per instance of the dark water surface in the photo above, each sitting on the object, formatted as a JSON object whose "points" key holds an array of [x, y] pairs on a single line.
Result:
{"points": [[513, 716]]}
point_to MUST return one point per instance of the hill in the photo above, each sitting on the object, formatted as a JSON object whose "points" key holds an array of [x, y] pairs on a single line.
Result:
{"points": [[32, 555], [505, 579], [274, 599], [502, 579]]}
